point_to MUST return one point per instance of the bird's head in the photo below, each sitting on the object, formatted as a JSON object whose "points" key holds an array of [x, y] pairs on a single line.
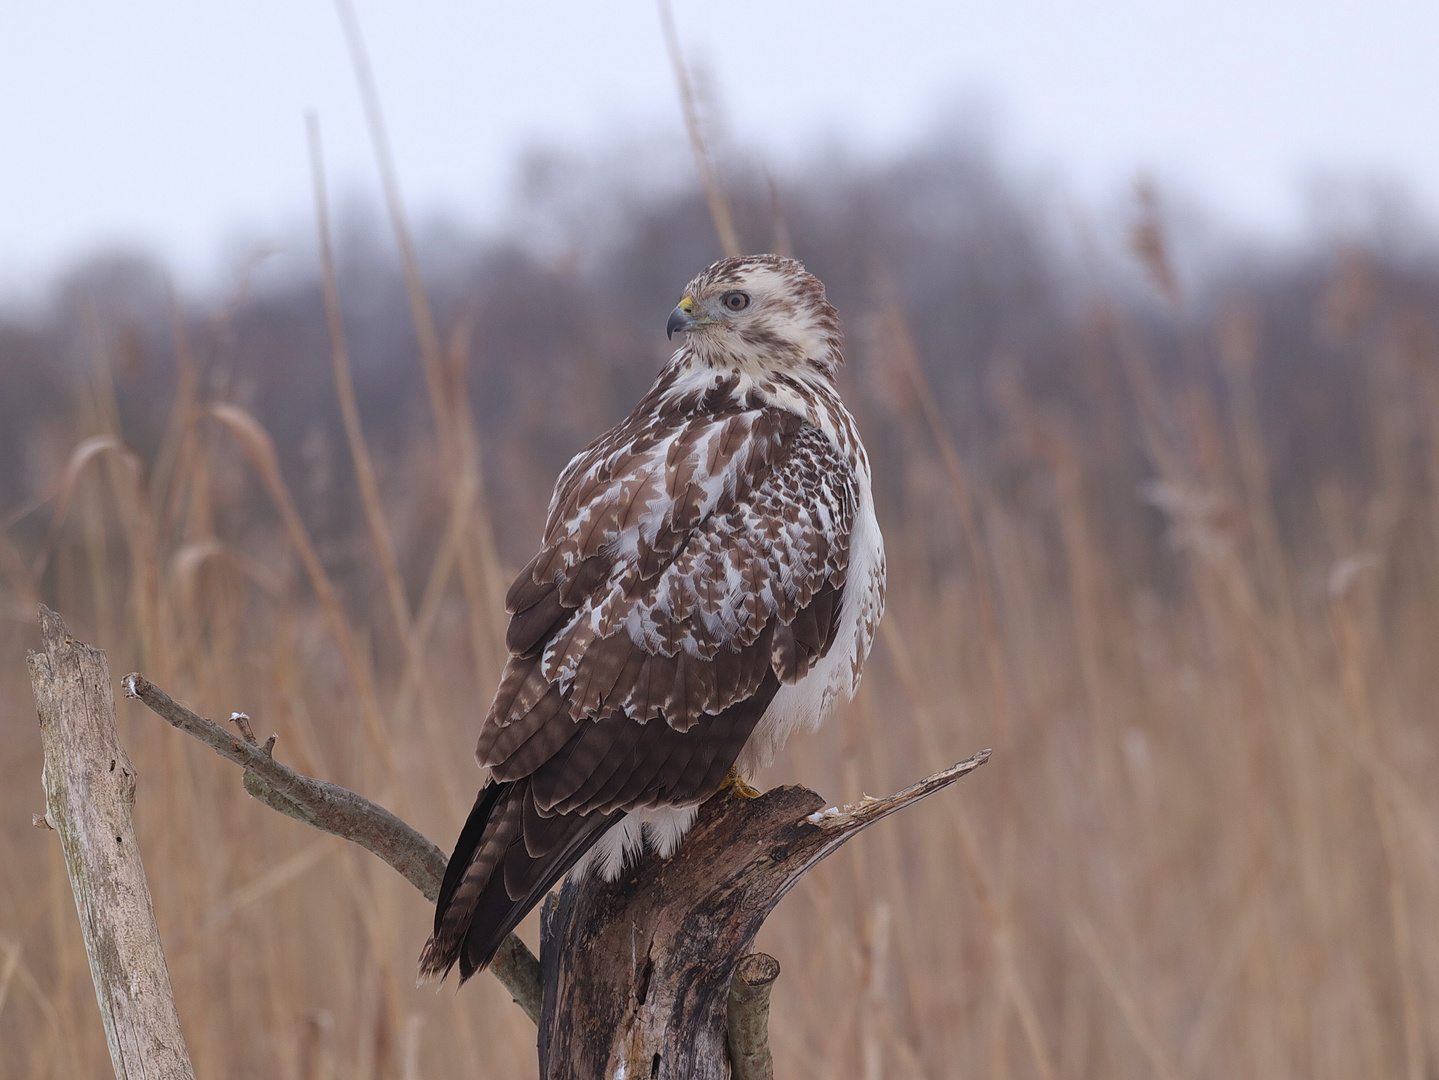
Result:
{"points": [[760, 314]]}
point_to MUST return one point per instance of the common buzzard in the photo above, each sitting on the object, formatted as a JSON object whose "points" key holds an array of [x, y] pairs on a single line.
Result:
{"points": [[710, 579]]}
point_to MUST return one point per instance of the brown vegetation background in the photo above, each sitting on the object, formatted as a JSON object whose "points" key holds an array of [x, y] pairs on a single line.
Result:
{"points": [[1168, 542]]}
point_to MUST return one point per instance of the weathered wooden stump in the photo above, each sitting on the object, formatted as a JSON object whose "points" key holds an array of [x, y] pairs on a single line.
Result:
{"points": [[636, 973]]}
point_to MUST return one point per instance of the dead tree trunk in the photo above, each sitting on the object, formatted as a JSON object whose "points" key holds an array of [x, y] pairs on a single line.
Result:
{"points": [[89, 796], [645, 977]]}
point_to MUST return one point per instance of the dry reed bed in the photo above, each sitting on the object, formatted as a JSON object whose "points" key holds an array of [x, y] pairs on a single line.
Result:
{"points": [[1206, 844]]}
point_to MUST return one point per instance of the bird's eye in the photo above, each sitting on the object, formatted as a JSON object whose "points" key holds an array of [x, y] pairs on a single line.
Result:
{"points": [[735, 301]]}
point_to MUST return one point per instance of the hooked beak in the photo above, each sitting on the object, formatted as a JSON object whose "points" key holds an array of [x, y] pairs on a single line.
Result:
{"points": [[680, 318]]}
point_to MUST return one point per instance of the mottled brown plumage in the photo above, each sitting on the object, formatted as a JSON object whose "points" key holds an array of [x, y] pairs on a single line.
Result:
{"points": [[709, 578]]}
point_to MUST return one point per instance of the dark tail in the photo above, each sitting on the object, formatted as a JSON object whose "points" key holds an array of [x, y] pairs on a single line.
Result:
{"points": [[506, 859]]}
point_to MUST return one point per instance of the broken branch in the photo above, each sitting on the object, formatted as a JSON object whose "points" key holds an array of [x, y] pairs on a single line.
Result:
{"points": [[340, 811]]}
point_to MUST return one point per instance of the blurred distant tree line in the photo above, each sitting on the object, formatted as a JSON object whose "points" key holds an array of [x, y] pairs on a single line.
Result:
{"points": [[1013, 303]]}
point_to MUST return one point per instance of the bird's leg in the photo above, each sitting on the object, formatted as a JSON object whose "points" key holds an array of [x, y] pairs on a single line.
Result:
{"points": [[734, 782]]}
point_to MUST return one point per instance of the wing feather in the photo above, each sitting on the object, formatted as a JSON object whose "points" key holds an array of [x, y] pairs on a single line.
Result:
{"points": [[533, 626]]}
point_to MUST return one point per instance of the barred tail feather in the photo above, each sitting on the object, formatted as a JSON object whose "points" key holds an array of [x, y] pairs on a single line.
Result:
{"points": [[506, 859]]}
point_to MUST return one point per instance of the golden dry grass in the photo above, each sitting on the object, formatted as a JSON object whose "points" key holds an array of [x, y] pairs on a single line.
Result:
{"points": [[1207, 844]]}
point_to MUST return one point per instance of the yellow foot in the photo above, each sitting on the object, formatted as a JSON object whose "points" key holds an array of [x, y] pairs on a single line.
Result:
{"points": [[734, 782]]}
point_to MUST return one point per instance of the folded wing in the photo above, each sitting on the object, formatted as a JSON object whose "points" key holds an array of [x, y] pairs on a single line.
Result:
{"points": [[691, 565]]}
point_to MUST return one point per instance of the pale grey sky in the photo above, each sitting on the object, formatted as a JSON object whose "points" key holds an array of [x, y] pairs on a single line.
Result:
{"points": [[172, 124]]}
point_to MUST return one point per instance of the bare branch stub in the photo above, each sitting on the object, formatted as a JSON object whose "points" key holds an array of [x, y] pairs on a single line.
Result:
{"points": [[637, 972], [747, 1016]]}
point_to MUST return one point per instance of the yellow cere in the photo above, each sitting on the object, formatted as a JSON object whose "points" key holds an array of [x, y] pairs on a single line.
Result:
{"points": [[687, 304]]}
